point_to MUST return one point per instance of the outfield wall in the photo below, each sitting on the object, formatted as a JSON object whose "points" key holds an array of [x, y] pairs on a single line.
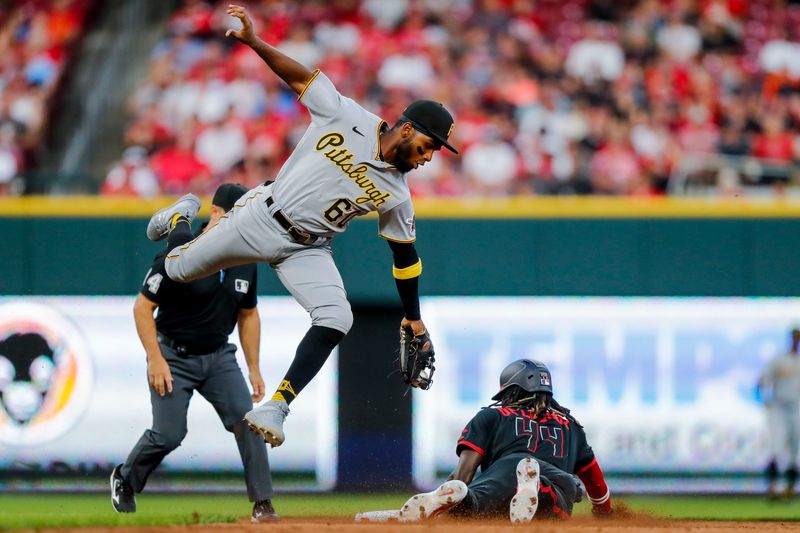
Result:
{"points": [[627, 360], [596, 247]]}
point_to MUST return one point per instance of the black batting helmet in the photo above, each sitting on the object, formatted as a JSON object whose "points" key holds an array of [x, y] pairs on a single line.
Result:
{"points": [[531, 376]]}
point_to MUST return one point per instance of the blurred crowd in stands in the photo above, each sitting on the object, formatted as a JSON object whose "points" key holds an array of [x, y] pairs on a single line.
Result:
{"points": [[35, 44], [550, 96]]}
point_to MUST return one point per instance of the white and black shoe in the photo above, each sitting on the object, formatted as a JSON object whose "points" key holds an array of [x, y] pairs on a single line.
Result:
{"points": [[264, 512], [430, 504], [526, 500], [159, 225], [267, 420], [122, 497]]}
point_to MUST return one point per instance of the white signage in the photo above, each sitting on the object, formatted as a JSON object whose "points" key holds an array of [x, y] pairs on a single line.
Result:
{"points": [[73, 390], [662, 385]]}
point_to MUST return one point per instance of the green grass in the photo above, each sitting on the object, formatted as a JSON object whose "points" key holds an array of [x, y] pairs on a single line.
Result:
{"points": [[18, 511], [714, 507], [30, 511]]}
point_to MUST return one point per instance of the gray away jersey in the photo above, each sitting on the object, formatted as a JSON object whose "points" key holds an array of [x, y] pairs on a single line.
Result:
{"points": [[782, 375], [335, 172]]}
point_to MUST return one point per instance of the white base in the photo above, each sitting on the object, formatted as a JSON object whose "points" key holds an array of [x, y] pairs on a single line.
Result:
{"points": [[378, 516]]}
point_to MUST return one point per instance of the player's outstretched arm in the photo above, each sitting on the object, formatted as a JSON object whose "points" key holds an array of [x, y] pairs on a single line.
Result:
{"points": [[596, 487], [293, 73], [406, 271]]}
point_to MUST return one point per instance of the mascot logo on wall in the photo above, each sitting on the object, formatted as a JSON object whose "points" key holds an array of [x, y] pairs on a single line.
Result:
{"points": [[46, 374]]}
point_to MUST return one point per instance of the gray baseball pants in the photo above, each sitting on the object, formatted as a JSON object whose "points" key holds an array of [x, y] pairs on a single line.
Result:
{"points": [[248, 234], [784, 428], [217, 377]]}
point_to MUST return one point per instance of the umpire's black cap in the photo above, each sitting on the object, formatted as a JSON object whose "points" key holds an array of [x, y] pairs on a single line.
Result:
{"points": [[532, 376], [227, 194], [432, 119]]}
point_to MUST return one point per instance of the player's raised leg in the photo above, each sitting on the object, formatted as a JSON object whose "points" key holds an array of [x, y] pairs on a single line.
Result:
{"points": [[431, 504], [311, 276], [220, 246]]}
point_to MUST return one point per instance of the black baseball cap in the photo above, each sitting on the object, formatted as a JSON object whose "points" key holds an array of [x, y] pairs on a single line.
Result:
{"points": [[432, 119], [227, 194]]}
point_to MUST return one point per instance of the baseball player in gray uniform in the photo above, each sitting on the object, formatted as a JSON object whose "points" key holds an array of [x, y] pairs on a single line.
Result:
{"points": [[348, 163], [780, 387]]}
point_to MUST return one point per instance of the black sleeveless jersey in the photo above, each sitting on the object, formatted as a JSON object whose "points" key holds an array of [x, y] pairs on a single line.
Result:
{"points": [[553, 437]]}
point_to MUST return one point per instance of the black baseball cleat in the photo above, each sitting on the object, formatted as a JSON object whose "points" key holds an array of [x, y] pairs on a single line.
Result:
{"points": [[122, 497], [264, 512]]}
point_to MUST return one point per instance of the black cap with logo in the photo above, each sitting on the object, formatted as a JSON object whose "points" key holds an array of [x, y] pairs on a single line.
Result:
{"points": [[432, 119], [227, 194]]}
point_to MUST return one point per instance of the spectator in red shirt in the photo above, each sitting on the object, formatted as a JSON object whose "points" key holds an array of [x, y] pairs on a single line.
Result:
{"points": [[774, 142], [614, 167], [132, 176], [177, 167], [778, 147], [148, 130], [698, 133]]}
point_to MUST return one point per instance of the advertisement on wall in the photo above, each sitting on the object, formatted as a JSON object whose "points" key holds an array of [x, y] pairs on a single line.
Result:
{"points": [[74, 392], [662, 385]]}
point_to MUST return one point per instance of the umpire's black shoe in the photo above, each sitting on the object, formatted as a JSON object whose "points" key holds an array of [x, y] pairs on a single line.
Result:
{"points": [[122, 497], [264, 512]]}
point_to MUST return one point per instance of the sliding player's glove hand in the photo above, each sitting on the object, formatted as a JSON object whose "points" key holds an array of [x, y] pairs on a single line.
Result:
{"points": [[416, 358], [603, 510]]}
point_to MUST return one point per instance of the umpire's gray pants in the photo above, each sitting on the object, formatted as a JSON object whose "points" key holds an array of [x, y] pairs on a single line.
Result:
{"points": [[249, 234], [219, 380]]}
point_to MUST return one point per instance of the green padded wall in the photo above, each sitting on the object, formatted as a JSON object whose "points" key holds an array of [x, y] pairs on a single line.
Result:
{"points": [[551, 257]]}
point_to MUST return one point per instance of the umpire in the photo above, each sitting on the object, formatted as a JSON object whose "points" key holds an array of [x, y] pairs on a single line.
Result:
{"points": [[188, 350]]}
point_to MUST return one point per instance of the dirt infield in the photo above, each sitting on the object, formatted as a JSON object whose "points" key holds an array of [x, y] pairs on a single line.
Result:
{"points": [[576, 525]]}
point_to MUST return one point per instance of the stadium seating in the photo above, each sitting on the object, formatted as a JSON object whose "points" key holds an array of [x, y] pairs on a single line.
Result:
{"points": [[562, 97], [36, 38]]}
